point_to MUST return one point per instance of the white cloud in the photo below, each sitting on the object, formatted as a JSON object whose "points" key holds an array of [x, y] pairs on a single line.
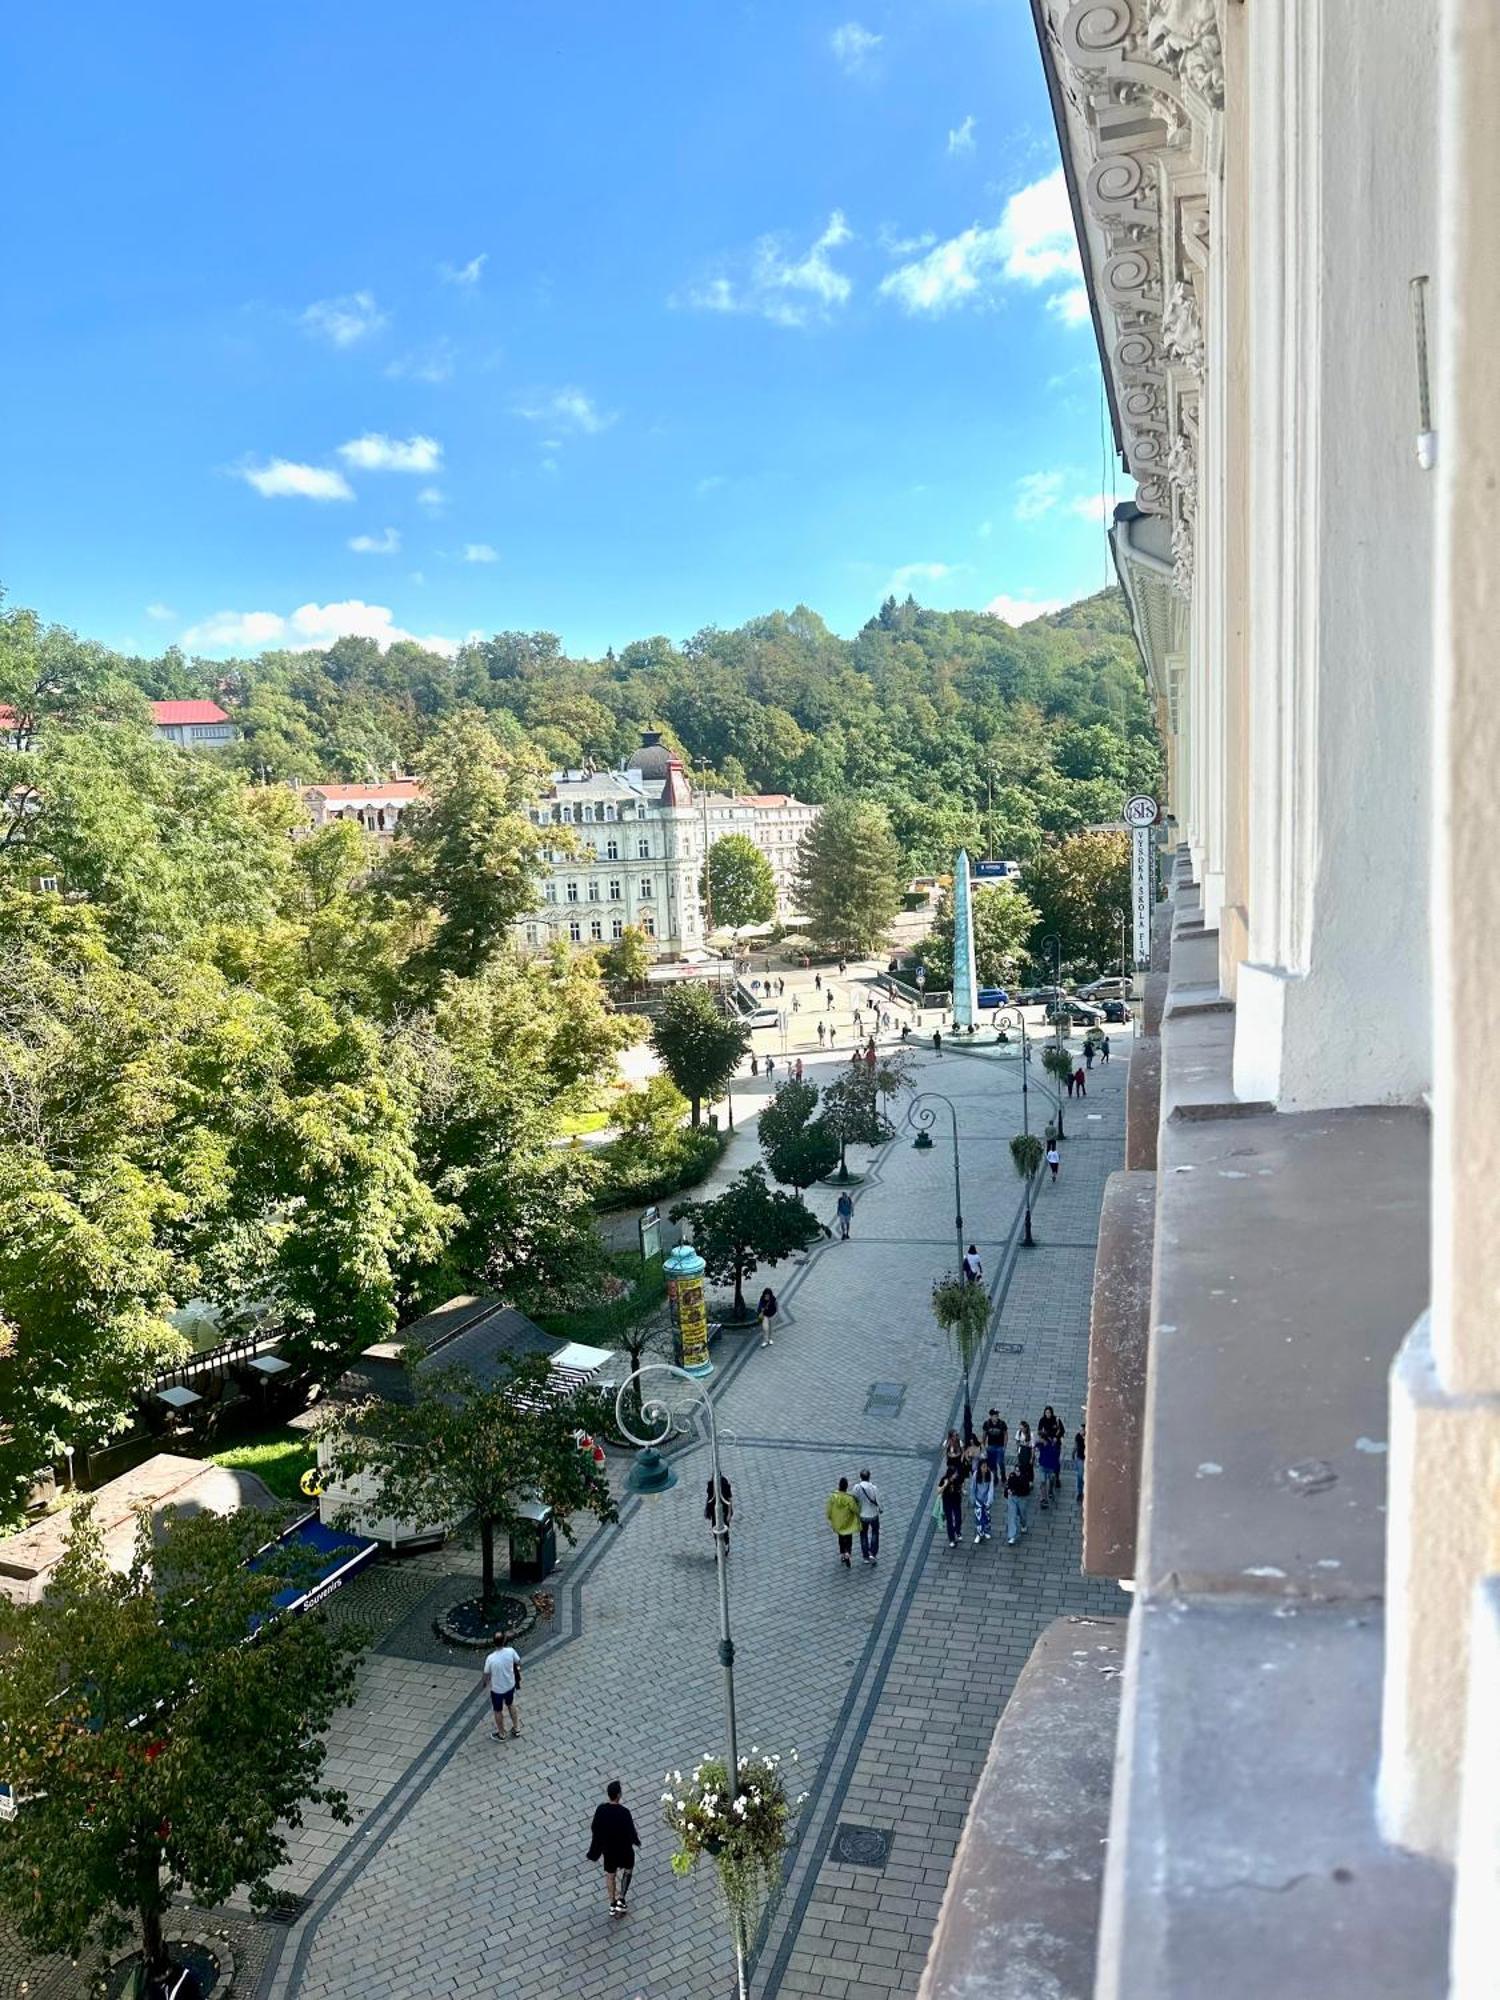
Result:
{"points": [[896, 245], [433, 498], [284, 479], [788, 289], [902, 579], [433, 363], [569, 409], [161, 612], [1021, 610], [309, 626], [710, 483], [1037, 494], [961, 137], [345, 320], [853, 45], [387, 543], [1093, 507], [1032, 244], [1071, 306], [374, 452], [480, 552], [464, 274]]}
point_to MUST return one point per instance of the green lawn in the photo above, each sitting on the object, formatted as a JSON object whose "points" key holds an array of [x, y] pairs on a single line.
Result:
{"points": [[576, 1123], [279, 1457]]}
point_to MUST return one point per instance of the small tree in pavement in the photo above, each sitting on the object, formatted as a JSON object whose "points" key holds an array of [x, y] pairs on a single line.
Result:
{"points": [[153, 1746], [799, 1148], [737, 884], [748, 1225], [699, 1049], [852, 1112], [460, 1448]]}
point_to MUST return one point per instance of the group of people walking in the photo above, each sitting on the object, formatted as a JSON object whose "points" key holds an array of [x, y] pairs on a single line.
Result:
{"points": [[993, 1469]]}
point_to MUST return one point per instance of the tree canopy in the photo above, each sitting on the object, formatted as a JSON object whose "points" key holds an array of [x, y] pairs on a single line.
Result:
{"points": [[749, 1224], [699, 1048], [849, 876], [737, 883]]}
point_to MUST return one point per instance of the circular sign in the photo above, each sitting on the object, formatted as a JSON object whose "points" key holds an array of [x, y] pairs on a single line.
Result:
{"points": [[1140, 811]]}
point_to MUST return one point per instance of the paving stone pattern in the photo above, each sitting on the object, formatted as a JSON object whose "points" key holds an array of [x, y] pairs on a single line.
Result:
{"points": [[465, 1873]]}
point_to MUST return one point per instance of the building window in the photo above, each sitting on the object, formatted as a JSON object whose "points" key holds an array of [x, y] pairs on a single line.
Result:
{"points": [[614, 890], [645, 888], [47, 884], [643, 849], [588, 813], [616, 928], [575, 930], [551, 892], [609, 812], [640, 812], [593, 892], [648, 923], [572, 892], [531, 934], [596, 930], [612, 850]]}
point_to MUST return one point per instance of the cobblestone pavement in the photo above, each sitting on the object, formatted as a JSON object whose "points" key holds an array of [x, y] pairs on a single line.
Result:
{"points": [[465, 1872]]}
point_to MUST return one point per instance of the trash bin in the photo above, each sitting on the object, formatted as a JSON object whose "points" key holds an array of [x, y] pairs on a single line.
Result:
{"points": [[533, 1544]]}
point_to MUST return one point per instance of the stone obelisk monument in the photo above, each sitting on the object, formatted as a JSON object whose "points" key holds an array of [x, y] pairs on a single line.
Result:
{"points": [[965, 986]]}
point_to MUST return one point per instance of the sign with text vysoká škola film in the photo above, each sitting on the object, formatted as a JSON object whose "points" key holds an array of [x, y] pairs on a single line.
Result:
{"points": [[1141, 814]]}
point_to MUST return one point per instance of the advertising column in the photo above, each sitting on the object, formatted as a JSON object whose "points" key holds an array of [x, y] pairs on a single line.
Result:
{"points": [[688, 1306]]}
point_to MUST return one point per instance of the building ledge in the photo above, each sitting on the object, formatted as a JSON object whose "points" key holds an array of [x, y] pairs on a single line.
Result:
{"points": [[1118, 1331], [1244, 1857], [1020, 1914]]}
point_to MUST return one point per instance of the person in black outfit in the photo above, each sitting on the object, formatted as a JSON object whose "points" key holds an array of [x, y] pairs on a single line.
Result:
{"points": [[726, 1495], [613, 1840]]}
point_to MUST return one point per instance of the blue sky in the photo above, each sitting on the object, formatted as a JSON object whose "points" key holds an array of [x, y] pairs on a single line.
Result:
{"points": [[611, 321]]}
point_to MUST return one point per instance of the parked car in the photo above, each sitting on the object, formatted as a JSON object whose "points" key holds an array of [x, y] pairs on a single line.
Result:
{"points": [[1078, 1012], [1115, 1010], [1107, 989], [993, 996], [1040, 996]]}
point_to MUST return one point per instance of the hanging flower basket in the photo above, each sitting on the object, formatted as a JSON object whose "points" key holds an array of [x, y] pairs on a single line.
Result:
{"points": [[745, 1833]]}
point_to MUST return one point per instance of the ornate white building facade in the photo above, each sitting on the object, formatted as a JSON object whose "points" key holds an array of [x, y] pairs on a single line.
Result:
{"points": [[1289, 214]]}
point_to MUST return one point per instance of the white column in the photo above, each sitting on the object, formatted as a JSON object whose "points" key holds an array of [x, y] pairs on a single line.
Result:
{"points": [[1445, 1416], [1333, 1006]]}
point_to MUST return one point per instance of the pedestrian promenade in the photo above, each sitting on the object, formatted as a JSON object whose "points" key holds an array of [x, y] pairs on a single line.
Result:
{"points": [[465, 1870]]}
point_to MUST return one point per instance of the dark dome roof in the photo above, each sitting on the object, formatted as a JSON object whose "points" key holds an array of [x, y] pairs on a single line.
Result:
{"points": [[653, 757]]}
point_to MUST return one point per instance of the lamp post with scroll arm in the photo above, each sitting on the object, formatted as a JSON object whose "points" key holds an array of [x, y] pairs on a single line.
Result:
{"points": [[1016, 1019]]}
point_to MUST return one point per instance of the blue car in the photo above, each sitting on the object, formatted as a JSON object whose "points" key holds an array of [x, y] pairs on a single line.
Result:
{"points": [[993, 996]]}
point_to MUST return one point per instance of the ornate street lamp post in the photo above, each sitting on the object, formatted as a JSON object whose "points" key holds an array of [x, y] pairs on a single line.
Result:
{"points": [[1017, 1019], [1053, 944], [651, 1474], [921, 1115]]}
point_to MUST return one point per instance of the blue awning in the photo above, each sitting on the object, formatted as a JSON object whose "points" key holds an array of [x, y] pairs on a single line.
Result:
{"points": [[339, 1555]]}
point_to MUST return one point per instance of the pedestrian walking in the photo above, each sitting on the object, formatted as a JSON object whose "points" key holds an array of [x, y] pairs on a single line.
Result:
{"points": [[843, 1518], [844, 1208], [1017, 1499], [1088, 1055], [1078, 1457], [501, 1674], [613, 1841], [1048, 1462], [818, 981], [726, 1506], [937, 1041], [982, 1493], [766, 1310], [859, 1023], [780, 988], [1078, 1079], [867, 1499], [796, 1003], [1071, 1080], [972, 1270], [1104, 1050], [770, 1065], [995, 1436], [820, 1034], [843, 967], [829, 1008], [755, 1065], [1054, 1159], [1049, 1430], [797, 1069], [951, 1493], [870, 1056]]}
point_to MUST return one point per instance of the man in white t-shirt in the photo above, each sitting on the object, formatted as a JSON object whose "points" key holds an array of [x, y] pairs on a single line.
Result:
{"points": [[502, 1676], [868, 1497]]}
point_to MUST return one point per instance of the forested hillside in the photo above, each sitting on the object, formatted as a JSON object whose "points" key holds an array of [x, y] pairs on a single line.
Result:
{"points": [[923, 710]]}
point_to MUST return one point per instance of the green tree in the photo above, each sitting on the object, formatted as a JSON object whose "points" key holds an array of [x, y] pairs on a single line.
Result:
{"points": [[461, 1448], [851, 1111], [748, 1225], [799, 1148], [467, 857], [737, 884], [849, 876], [626, 962], [1003, 921], [1077, 887], [153, 1744], [699, 1048]]}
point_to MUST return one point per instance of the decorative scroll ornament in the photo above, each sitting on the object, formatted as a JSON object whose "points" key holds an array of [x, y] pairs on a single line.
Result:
{"points": [[1182, 473], [1182, 328], [1183, 36]]}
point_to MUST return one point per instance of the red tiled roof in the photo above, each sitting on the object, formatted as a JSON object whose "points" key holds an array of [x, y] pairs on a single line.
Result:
{"points": [[164, 713], [393, 788]]}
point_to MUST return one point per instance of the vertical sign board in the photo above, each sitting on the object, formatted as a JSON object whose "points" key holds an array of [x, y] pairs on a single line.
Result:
{"points": [[1141, 814]]}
